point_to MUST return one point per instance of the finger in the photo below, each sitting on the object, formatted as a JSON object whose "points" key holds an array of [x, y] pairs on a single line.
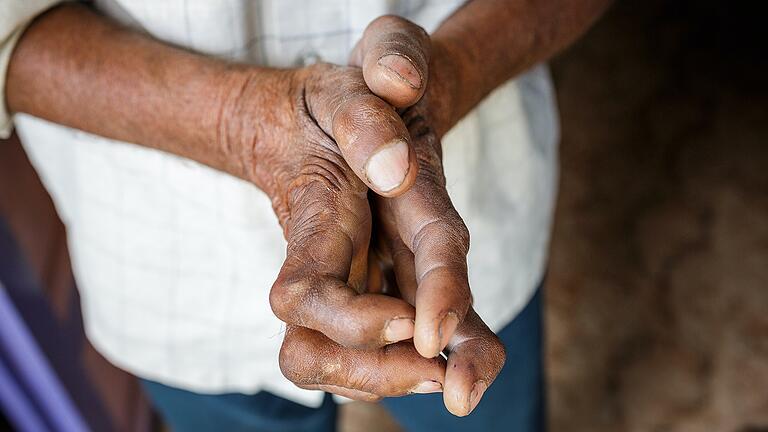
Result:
{"points": [[431, 228], [430, 268], [402, 261], [475, 355], [312, 361], [312, 288], [375, 276], [394, 54], [370, 134], [475, 359]]}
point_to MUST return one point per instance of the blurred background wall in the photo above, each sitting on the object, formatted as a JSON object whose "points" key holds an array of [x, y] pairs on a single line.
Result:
{"points": [[658, 287], [657, 294]]}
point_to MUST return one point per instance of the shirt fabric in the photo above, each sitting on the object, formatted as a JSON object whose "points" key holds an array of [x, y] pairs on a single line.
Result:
{"points": [[174, 260], [15, 15]]}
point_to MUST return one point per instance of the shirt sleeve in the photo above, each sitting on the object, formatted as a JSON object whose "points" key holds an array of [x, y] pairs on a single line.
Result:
{"points": [[15, 16]]}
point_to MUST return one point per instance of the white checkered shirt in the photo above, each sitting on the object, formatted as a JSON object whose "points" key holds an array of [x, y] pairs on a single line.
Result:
{"points": [[175, 260]]}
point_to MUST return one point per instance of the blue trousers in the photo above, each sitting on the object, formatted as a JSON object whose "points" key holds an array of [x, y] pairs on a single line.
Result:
{"points": [[515, 401]]}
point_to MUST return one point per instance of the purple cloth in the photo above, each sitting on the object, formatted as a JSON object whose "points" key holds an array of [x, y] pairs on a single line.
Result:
{"points": [[16, 405], [22, 357]]}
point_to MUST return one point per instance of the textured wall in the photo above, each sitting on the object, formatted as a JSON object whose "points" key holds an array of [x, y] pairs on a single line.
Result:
{"points": [[658, 290]]}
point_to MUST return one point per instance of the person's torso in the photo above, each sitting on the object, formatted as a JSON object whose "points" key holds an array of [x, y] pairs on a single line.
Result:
{"points": [[174, 260]]}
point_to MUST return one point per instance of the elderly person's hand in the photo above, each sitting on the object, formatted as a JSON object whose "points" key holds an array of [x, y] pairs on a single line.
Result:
{"points": [[335, 336], [424, 238]]}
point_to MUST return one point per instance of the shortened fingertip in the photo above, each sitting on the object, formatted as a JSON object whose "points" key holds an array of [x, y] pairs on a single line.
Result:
{"points": [[478, 389], [457, 403]]}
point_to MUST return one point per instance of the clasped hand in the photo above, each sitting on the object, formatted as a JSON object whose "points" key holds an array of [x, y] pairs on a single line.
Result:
{"points": [[374, 286]]}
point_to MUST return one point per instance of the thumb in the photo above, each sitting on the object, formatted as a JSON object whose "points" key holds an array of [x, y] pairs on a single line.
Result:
{"points": [[394, 54], [370, 134]]}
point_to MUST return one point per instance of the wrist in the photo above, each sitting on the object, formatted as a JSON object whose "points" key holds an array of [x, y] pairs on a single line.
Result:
{"points": [[252, 116], [448, 86]]}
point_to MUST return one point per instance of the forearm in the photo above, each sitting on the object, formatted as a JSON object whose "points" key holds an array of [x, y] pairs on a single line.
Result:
{"points": [[76, 68], [490, 41]]}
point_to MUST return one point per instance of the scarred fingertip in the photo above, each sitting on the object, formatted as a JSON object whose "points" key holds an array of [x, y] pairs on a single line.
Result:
{"points": [[461, 402], [387, 169]]}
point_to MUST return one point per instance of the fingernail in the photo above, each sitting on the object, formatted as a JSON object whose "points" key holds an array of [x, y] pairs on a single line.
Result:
{"points": [[399, 329], [428, 387], [403, 68], [388, 167], [477, 392], [447, 327]]}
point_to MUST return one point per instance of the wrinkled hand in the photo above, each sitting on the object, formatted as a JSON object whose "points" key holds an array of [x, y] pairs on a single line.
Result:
{"points": [[336, 338], [313, 157]]}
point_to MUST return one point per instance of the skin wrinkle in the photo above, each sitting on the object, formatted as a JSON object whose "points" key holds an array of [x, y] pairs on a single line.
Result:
{"points": [[444, 226], [222, 140], [246, 162]]}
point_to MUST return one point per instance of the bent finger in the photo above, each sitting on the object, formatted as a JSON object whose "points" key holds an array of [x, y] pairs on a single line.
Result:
{"points": [[328, 233], [312, 361], [476, 355], [320, 299], [439, 241]]}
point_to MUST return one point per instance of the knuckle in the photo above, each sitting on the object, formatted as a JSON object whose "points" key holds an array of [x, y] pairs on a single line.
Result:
{"points": [[448, 227], [345, 82], [461, 233], [365, 110], [456, 230], [294, 358], [286, 298], [496, 353], [493, 353], [312, 209], [322, 170]]}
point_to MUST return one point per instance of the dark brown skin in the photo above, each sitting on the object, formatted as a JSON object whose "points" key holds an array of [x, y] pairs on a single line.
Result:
{"points": [[306, 137]]}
